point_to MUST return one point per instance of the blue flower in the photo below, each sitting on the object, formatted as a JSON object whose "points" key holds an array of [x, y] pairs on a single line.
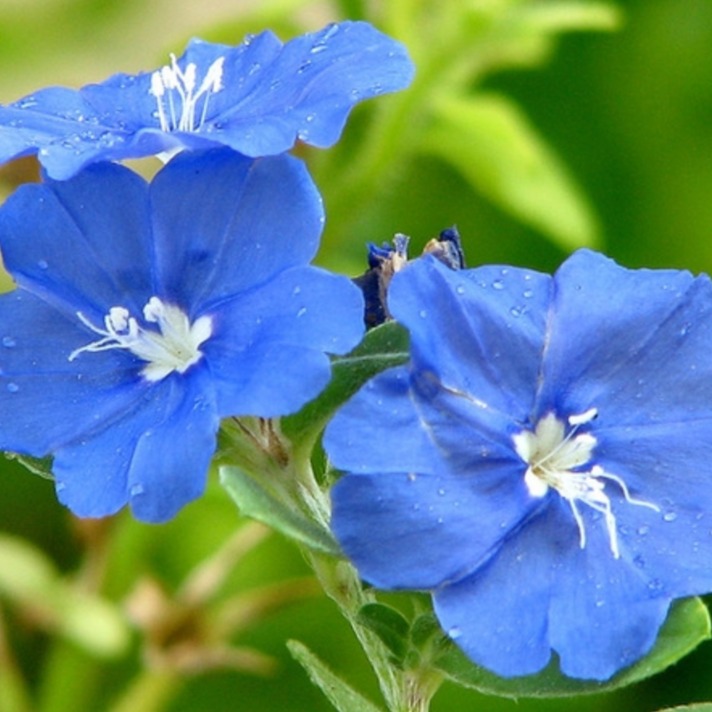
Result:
{"points": [[542, 464], [144, 313], [258, 98]]}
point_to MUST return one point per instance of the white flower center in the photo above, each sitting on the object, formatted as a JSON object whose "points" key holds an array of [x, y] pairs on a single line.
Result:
{"points": [[174, 347], [178, 94], [553, 455]]}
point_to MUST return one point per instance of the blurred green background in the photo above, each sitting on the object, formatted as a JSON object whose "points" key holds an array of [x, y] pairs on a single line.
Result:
{"points": [[611, 145]]}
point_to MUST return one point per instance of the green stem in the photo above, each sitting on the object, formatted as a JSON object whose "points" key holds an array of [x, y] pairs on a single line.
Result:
{"points": [[403, 691]]}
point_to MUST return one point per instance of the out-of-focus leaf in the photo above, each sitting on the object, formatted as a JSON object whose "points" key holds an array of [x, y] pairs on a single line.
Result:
{"points": [[381, 348], [568, 16], [339, 693], [493, 145], [29, 579], [256, 502], [687, 625]]}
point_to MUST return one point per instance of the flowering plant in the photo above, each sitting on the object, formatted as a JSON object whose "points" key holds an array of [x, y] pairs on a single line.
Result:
{"points": [[499, 476]]}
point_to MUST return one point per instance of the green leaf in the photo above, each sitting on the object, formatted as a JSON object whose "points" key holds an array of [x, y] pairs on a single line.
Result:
{"points": [[381, 348], [687, 625], [493, 145], [388, 624], [256, 502], [41, 466], [339, 693]]}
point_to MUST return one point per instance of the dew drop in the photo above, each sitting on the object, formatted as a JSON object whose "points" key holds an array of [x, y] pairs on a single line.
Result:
{"points": [[422, 314], [42, 264], [441, 492], [670, 516], [297, 290], [301, 312], [643, 530], [498, 284], [8, 342], [460, 289], [412, 476], [136, 489], [600, 603], [516, 311], [455, 632], [655, 585], [528, 293], [12, 387]]}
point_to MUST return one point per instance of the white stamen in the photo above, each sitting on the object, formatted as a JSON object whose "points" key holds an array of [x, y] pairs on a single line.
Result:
{"points": [[174, 347], [177, 88], [552, 457]]}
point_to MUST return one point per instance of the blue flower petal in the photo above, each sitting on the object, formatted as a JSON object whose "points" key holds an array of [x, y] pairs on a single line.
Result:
{"points": [[604, 614], [271, 95], [426, 529], [156, 458], [672, 547], [81, 244], [494, 353], [651, 317], [272, 340], [499, 615], [379, 430], [50, 398], [224, 224]]}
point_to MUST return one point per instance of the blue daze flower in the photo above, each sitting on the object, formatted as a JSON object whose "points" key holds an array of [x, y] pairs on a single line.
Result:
{"points": [[542, 464], [144, 313], [259, 98]]}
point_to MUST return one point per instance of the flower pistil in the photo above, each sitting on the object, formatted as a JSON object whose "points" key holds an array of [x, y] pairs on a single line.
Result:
{"points": [[553, 456], [174, 347]]}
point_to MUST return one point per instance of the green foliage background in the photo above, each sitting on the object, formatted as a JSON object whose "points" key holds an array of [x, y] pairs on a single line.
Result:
{"points": [[506, 147]]}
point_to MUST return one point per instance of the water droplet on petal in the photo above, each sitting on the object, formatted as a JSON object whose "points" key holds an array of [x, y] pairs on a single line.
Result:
{"points": [[670, 516], [460, 289], [422, 314], [13, 387], [643, 530], [8, 342], [655, 585], [528, 293], [136, 489], [441, 492], [455, 632], [498, 284], [42, 264], [297, 290], [302, 312]]}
